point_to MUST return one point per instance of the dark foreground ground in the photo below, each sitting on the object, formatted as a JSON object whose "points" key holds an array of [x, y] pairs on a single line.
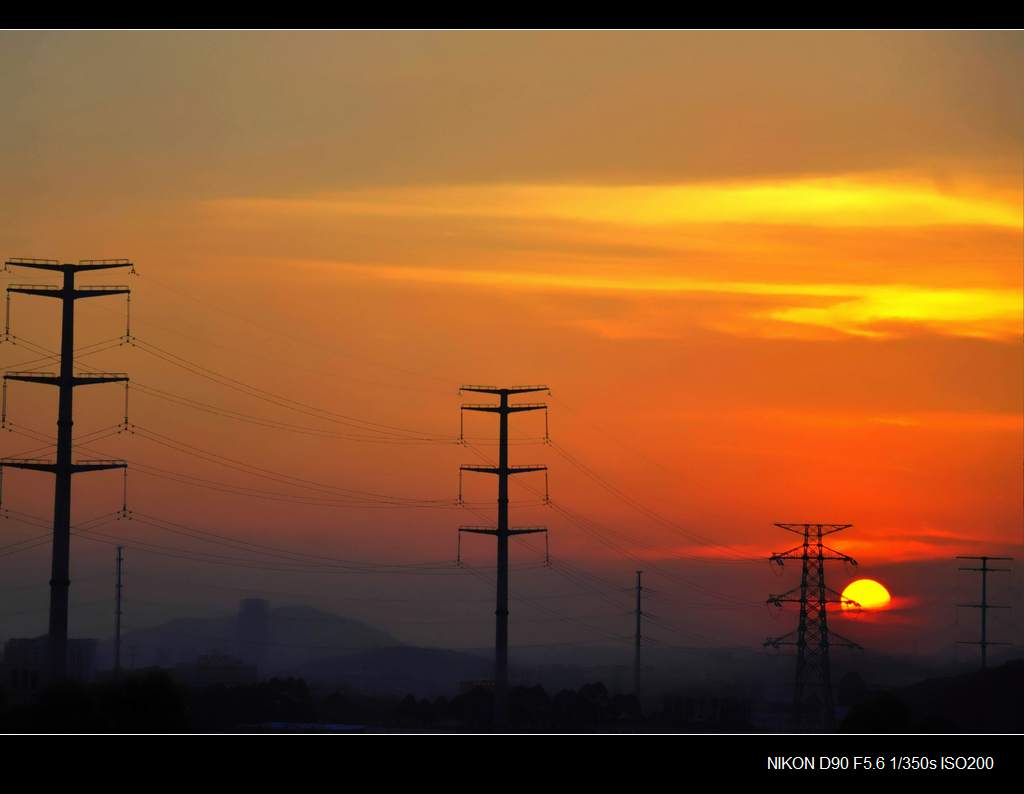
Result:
{"points": [[153, 702]]}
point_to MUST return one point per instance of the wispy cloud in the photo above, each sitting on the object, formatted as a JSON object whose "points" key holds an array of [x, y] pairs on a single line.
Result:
{"points": [[832, 201], [698, 243], [873, 310]]}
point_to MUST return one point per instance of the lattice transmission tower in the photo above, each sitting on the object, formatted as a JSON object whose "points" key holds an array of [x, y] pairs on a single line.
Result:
{"points": [[813, 701]]}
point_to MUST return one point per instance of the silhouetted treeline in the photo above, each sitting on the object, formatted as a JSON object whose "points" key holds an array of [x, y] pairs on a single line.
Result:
{"points": [[153, 702], [979, 702], [142, 703]]}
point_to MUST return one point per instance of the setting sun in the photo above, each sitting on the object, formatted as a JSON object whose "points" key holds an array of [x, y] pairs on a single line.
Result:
{"points": [[865, 594]]}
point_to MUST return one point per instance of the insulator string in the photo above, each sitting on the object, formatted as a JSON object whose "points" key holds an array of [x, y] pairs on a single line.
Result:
{"points": [[124, 499]]}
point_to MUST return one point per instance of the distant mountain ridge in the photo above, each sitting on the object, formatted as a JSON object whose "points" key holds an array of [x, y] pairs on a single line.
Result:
{"points": [[296, 635]]}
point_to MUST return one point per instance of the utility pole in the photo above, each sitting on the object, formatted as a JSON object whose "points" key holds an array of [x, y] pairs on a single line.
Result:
{"points": [[984, 606], [117, 611], [636, 645], [63, 467], [502, 532], [812, 637]]}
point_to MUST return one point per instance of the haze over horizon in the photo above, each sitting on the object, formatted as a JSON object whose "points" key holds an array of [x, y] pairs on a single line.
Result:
{"points": [[768, 276]]}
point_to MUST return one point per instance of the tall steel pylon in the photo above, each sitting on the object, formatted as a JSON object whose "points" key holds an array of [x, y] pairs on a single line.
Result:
{"points": [[812, 637], [118, 612], [984, 606], [502, 532], [63, 467], [639, 613]]}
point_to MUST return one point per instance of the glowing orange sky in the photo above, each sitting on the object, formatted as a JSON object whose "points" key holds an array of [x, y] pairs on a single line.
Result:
{"points": [[769, 277]]}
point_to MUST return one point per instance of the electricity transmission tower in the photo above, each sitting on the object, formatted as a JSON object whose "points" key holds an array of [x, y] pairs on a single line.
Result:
{"points": [[984, 606], [119, 587], [63, 467], [812, 637], [636, 642], [502, 532]]}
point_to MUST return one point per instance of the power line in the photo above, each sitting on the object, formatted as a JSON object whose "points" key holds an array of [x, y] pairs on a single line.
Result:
{"points": [[278, 399], [617, 492]]}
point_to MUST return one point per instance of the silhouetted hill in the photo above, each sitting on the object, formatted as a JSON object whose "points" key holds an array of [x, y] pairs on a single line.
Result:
{"points": [[398, 670], [296, 635]]}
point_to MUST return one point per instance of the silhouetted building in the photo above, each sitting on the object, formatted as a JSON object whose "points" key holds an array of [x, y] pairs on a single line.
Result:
{"points": [[24, 667], [253, 630]]}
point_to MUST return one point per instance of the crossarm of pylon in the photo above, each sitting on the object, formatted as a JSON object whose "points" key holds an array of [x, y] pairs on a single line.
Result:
{"points": [[98, 465], [837, 555], [30, 464], [826, 529], [787, 597], [785, 639], [483, 469], [497, 469], [525, 469], [839, 598], [985, 606], [103, 264], [500, 390], [979, 642], [484, 408], [36, 264], [480, 530], [46, 290], [789, 554], [527, 530], [52, 379], [100, 291], [100, 377], [497, 409], [840, 641], [55, 264]]}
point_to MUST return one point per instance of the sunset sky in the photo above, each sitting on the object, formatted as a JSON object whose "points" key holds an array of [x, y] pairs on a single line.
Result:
{"points": [[768, 277]]}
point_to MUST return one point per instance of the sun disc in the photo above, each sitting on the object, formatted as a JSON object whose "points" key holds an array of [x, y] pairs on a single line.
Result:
{"points": [[867, 593]]}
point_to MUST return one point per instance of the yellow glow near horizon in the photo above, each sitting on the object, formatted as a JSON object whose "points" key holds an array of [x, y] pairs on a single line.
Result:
{"points": [[867, 593]]}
